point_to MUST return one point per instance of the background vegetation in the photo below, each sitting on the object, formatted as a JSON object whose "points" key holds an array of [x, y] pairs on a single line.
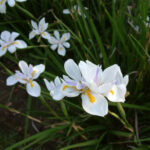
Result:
{"points": [[103, 37]]}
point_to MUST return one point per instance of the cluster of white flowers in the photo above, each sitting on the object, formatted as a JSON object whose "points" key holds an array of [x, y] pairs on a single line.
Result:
{"points": [[56, 42], [94, 85], [8, 42], [11, 3]]}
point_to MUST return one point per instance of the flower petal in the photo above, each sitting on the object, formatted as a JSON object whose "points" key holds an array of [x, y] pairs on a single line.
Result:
{"points": [[61, 50], [65, 37], [69, 91], [37, 70], [23, 66], [98, 108], [57, 81], [50, 85], [117, 93], [2, 51], [3, 8], [34, 25], [20, 44], [53, 40], [12, 48], [11, 3], [32, 34], [13, 36], [57, 35], [11, 80], [66, 44], [126, 80], [41, 23], [110, 73], [5, 36], [34, 89], [89, 71], [45, 35], [53, 47], [44, 26], [57, 93], [72, 69]]}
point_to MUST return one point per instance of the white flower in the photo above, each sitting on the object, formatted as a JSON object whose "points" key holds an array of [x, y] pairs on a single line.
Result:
{"points": [[74, 9], [11, 3], [8, 42], [27, 76], [93, 98], [39, 29], [86, 81], [118, 90], [55, 88], [60, 43], [94, 85]]}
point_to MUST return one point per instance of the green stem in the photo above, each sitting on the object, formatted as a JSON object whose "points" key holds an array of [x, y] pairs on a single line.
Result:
{"points": [[122, 121], [27, 113]]}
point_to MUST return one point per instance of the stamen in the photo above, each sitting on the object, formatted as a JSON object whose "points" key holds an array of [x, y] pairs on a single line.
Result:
{"points": [[112, 92], [90, 96], [31, 83]]}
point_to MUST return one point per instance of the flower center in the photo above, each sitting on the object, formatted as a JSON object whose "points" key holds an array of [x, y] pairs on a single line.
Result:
{"points": [[90, 96], [6, 46]]}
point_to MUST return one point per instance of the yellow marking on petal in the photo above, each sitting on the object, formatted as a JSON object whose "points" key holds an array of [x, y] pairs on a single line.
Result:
{"points": [[90, 96], [112, 92], [65, 87], [61, 48], [34, 71], [31, 83], [6, 46], [34, 33], [64, 38], [44, 33], [2, 1]]}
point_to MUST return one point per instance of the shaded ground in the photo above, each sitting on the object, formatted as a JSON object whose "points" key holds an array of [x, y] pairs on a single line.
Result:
{"points": [[11, 123]]}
